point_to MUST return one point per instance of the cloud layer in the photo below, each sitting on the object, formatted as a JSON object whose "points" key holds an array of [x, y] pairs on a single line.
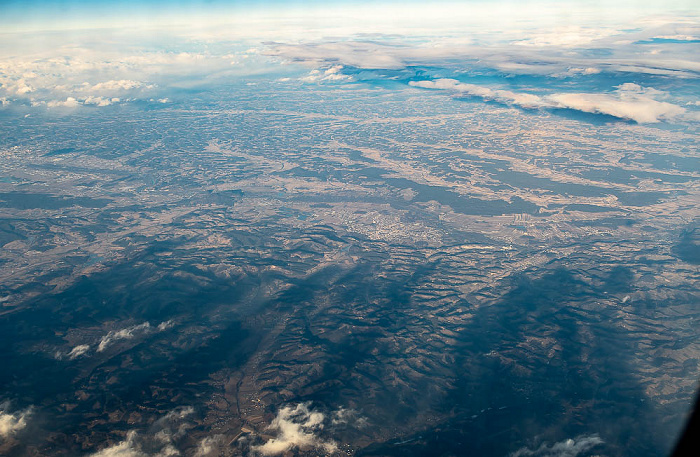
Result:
{"points": [[630, 101]]}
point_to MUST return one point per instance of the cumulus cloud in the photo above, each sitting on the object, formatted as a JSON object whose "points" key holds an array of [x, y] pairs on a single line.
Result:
{"points": [[79, 350], [165, 325], [11, 423], [349, 53], [209, 446], [329, 74], [76, 70], [159, 441], [566, 448], [640, 109], [114, 336], [114, 85], [557, 52], [679, 37], [296, 427], [69, 102], [568, 36], [345, 416], [127, 448], [123, 334], [523, 100], [629, 101]]}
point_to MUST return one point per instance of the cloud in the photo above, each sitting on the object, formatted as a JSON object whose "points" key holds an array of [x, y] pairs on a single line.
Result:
{"points": [[551, 53], [629, 101], [523, 100], [69, 102], [165, 325], [127, 448], [329, 74], [78, 351], [114, 85], [74, 70], [349, 53], [568, 36], [295, 427], [123, 334], [679, 37], [566, 448], [100, 101], [345, 416], [209, 446], [640, 109], [114, 336], [159, 441], [11, 423]]}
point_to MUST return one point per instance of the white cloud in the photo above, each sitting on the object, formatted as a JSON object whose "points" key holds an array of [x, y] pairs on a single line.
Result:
{"points": [[566, 448], [11, 423], [295, 427], [568, 36], [74, 71], [679, 37], [123, 334], [640, 109], [577, 71], [127, 448], [350, 53], [114, 336], [159, 441], [329, 74], [78, 351], [69, 102], [630, 101], [209, 446], [165, 325], [345, 416], [114, 85], [99, 101]]}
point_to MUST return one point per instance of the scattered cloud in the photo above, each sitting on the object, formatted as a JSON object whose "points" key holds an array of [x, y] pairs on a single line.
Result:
{"points": [[69, 102], [165, 325], [576, 71], [629, 101], [159, 441], [359, 54], [123, 334], [113, 85], [100, 101], [346, 416], [568, 36], [127, 448], [75, 71], [11, 423], [209, 446], [329, 74], [640, 109], [77, 351], [112, 337], [566, 448], [679, 37], [296, 427]]}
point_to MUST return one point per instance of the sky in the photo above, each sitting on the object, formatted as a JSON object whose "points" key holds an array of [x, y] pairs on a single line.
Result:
{"points": [[631, 60], [30, 15]]}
